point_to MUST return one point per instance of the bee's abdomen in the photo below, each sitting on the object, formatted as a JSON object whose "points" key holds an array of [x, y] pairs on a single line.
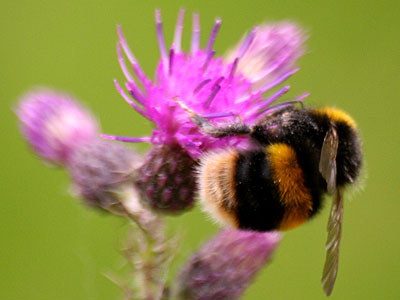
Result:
{"points": [[262, 190]]}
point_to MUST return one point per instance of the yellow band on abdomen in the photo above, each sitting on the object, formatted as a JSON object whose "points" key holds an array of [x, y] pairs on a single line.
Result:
{"points": [[289, 178]]}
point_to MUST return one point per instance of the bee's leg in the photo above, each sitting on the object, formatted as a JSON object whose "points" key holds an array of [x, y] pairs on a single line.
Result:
{"points": [[231, 129]]}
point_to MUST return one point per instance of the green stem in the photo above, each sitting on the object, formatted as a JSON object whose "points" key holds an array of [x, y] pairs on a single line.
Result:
{"points": [[147, 257]]}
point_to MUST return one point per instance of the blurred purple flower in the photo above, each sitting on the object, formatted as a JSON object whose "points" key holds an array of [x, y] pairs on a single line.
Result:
{"points": [[54, 124], [273, 53], [226, 266]]}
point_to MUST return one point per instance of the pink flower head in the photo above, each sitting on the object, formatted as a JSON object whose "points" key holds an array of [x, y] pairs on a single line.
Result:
{"points": [[54, 124], [225, 266], [209, 85]]}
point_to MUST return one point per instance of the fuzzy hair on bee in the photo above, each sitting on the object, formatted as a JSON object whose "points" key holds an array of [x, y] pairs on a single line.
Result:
{"points": [[298, 156]]}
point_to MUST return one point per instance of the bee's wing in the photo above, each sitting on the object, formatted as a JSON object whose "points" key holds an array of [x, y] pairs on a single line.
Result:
{"points": [[332, 243], [327, 162], [327, 167]]}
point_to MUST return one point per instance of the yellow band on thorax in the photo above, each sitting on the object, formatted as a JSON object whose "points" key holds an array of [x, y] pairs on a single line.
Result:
{"points": [[336, 115]]}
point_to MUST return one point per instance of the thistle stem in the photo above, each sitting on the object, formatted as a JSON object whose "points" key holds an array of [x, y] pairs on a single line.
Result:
{"points": [[148, 252]]}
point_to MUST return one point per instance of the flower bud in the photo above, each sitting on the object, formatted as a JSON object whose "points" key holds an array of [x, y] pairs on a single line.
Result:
{"points": [[54, 124], [100, 171], [225, 266], [167, 180]]}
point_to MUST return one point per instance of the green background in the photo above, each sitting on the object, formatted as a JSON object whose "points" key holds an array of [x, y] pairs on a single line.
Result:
{"points": [[52, 247]]}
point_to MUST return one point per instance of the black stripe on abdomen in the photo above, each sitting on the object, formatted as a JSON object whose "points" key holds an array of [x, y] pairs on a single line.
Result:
{"points": [[258, 204]]}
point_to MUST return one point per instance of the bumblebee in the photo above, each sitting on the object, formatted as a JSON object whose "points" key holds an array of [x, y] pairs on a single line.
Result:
{"points": [[298, 155]]}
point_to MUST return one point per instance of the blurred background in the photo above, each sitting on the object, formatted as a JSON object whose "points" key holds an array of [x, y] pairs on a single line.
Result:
{"points": [[52, 247]]}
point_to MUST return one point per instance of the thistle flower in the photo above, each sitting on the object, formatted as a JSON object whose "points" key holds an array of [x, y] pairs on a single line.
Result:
{"points": [[54, 124], [101, 172], [225, 266], [211, 86]]}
